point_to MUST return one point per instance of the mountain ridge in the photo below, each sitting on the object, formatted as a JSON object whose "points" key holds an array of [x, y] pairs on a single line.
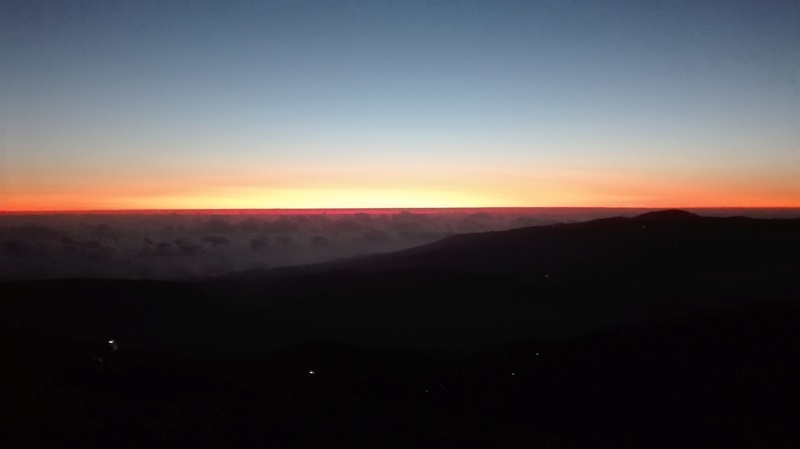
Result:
{"points": [[608, 241]]}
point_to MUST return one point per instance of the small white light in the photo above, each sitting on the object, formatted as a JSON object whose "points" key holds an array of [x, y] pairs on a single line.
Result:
{"points": [[311, 372], [537, 353], [513, 374], [111, 342]]}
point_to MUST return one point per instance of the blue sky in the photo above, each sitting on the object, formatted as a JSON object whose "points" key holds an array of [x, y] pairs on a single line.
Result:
{"points": [[477, 103]]}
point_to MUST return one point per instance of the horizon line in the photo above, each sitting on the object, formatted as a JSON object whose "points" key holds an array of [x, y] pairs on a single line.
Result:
{"points": [[319, 210]]}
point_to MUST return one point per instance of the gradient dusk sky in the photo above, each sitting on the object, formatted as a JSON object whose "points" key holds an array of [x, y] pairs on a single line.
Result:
{"points": [[324, 104]]}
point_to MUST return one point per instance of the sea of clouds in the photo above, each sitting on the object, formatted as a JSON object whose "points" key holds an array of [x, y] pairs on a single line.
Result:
{"points": [[181, 245]]}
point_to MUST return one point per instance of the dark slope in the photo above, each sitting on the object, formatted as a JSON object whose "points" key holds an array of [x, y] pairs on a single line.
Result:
{"points": [[718, 379], [638, 249], [689, 324], [666, 246], [476, 290]]}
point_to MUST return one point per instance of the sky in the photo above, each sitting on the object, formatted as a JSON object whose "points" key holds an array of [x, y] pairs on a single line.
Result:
{"points": [[359, 104]]}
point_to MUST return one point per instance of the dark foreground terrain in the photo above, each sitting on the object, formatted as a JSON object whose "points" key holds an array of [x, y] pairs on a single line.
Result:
{"points": [[664, 330]]}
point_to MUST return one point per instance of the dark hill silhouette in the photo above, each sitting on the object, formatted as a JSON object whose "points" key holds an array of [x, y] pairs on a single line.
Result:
{"points": [[670, 214], [517, 338], [652, 248]]}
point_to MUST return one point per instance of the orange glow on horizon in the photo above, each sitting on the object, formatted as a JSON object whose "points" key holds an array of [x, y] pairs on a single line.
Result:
{"points": [[464, 187], [383, 199]]}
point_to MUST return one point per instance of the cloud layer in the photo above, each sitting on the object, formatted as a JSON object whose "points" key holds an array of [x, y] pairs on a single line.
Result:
{"points": [[168, 246]]}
